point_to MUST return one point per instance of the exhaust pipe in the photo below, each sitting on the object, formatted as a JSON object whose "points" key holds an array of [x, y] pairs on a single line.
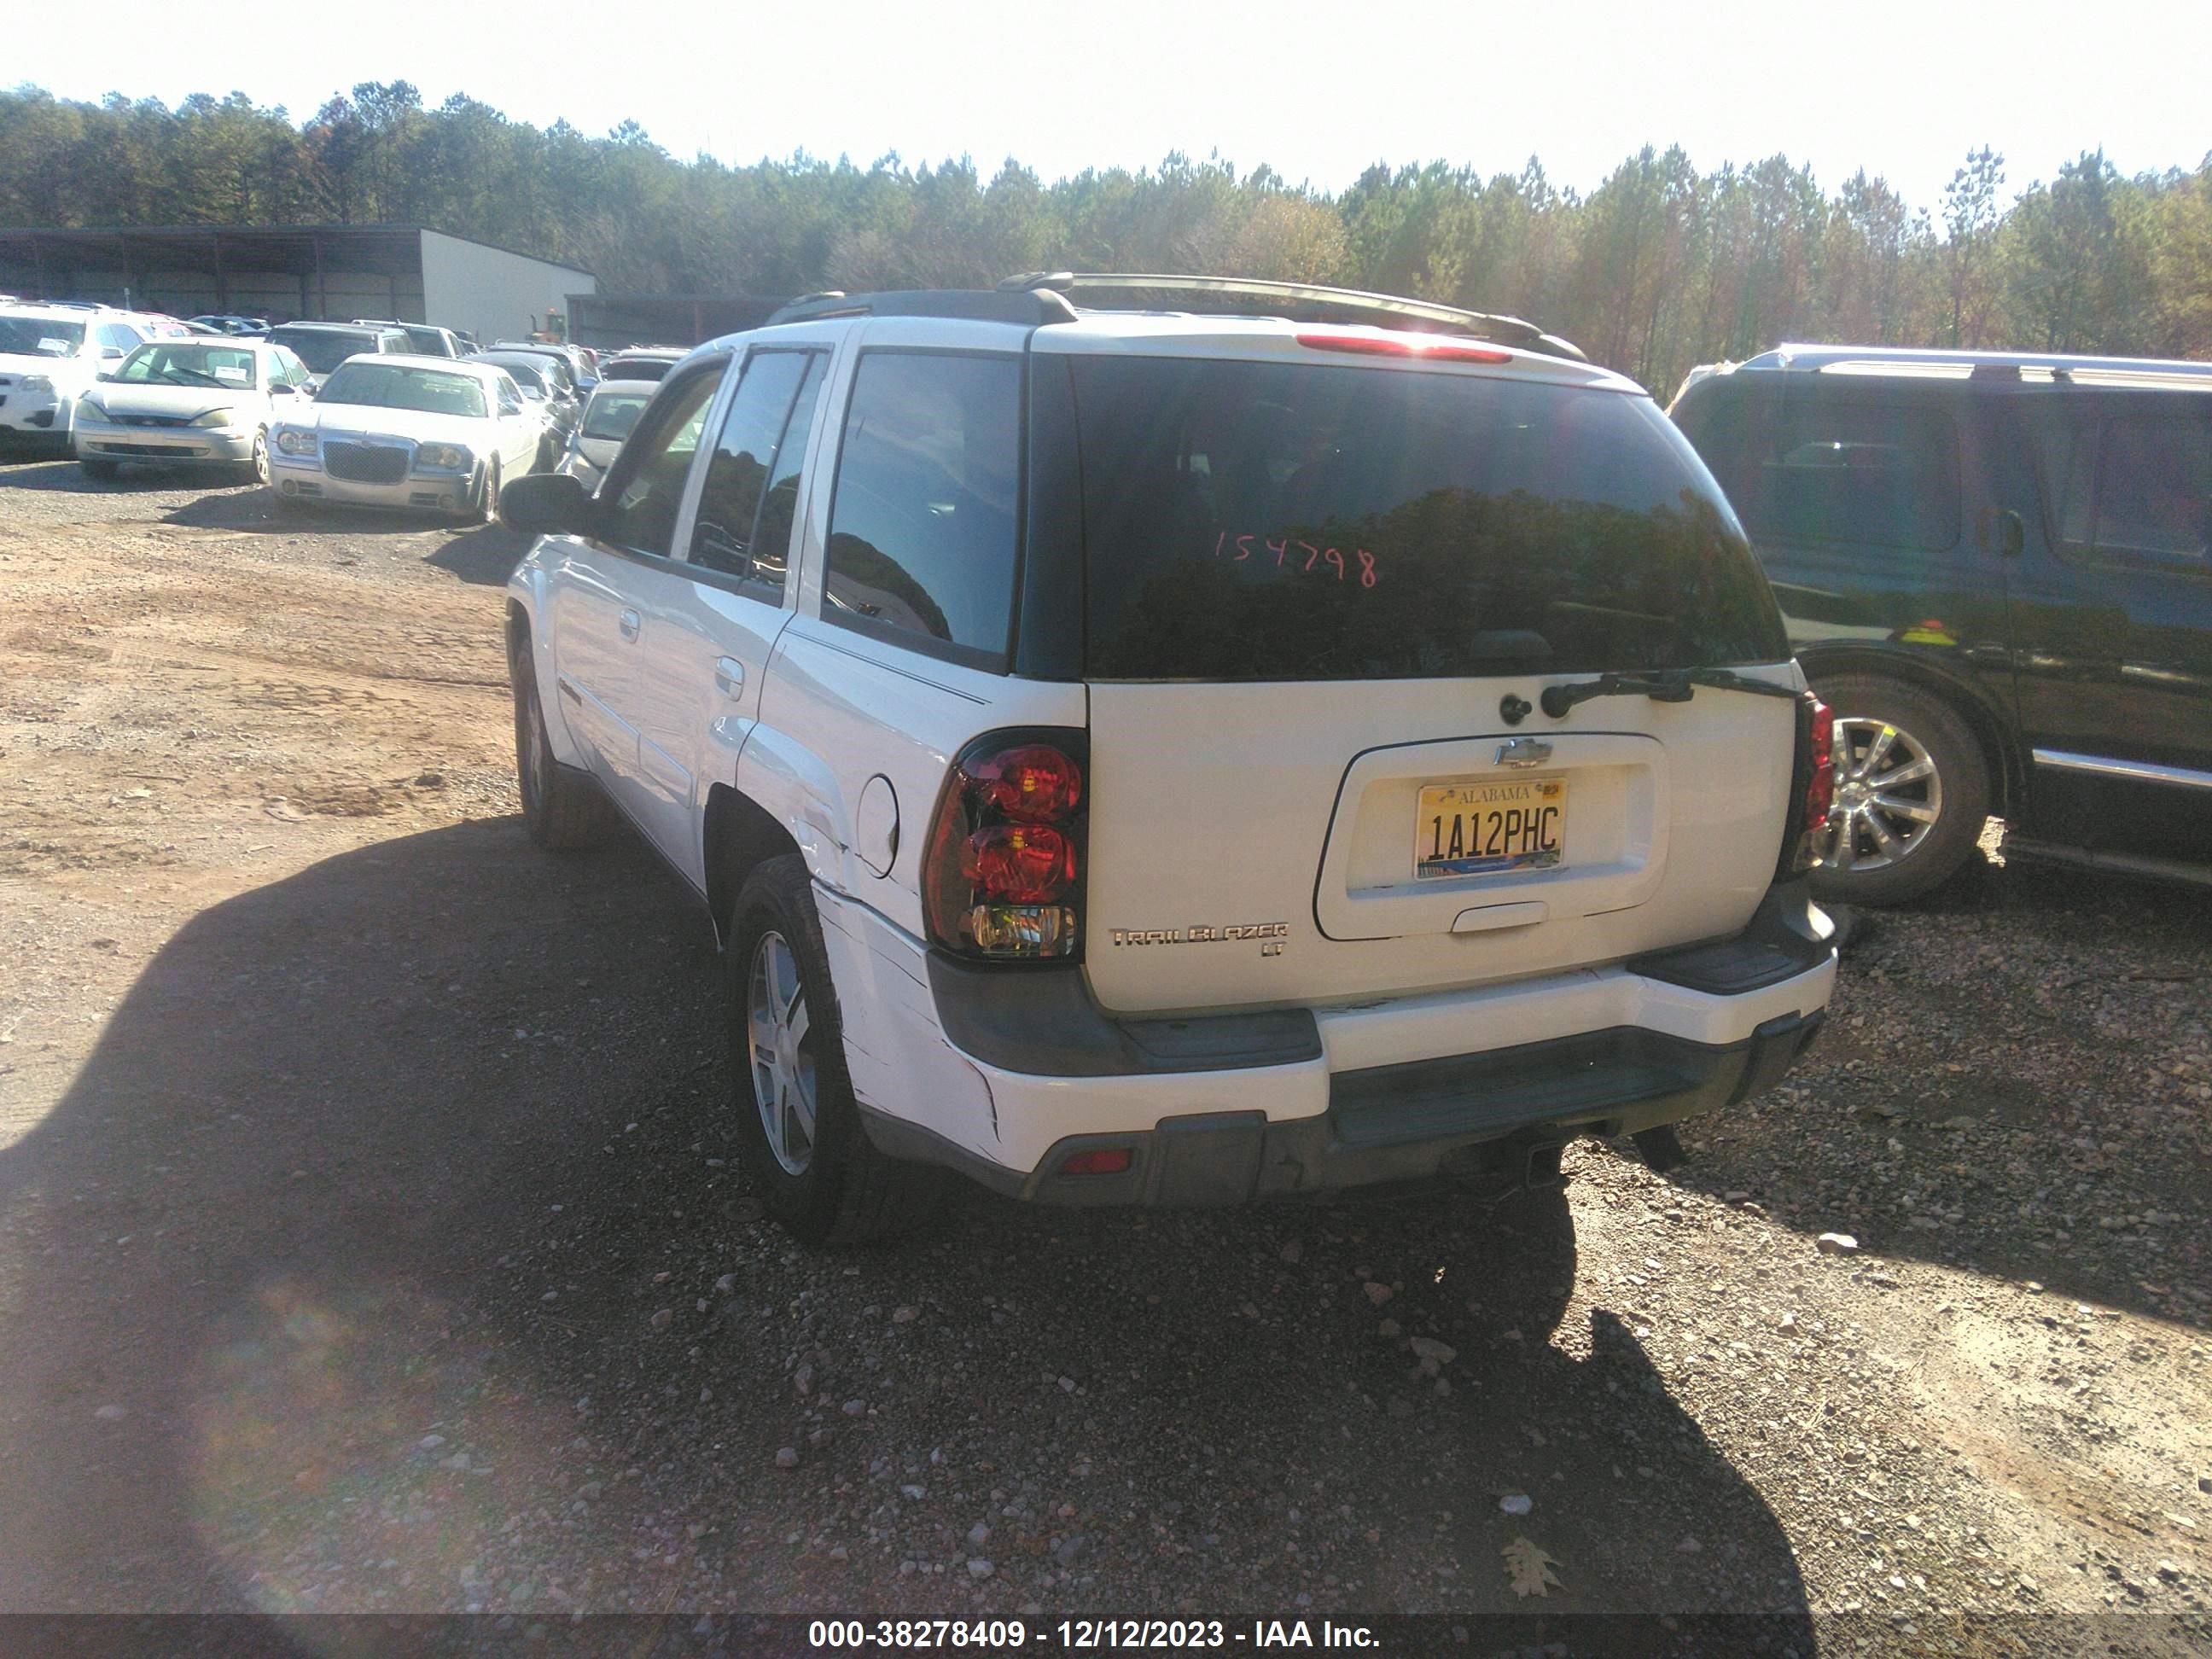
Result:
{"points": [[1543, 1168]]}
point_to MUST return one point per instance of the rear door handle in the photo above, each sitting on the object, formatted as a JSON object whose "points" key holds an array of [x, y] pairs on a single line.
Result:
{"points": [[629, 623], [730, 675]]}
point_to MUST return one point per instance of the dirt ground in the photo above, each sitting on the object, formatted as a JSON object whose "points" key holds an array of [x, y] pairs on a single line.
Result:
{"points": [[369, 1235]]}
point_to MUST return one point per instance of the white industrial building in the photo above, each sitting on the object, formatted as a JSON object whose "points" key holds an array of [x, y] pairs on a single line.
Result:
{"points": [[285, 272]]}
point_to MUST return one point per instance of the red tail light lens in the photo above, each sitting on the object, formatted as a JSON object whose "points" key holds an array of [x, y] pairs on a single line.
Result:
{"points": [[1813, 786], [1033, 784], [1019, 863], [1820, 788], [1002, 878]]}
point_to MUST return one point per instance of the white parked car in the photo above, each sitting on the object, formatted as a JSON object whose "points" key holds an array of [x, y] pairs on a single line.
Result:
{"points": [[195, 402], [407, 432], [49, 355], [608, 414], [1369, 753]]}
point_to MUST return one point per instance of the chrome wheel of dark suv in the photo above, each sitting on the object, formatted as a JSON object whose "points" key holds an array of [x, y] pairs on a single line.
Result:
{"points": [[1912, 791], [1889, 795]]}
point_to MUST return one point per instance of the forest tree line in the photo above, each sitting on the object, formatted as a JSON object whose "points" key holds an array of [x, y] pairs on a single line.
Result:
{"points": [[1660, 266]]}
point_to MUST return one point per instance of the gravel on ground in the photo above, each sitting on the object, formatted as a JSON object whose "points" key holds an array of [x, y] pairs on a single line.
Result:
{"points": [[370, 1235]]}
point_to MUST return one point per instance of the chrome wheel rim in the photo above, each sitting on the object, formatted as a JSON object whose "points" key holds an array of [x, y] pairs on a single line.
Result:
{"points": [[1888, 796], [778, 1036], [261, 458]]}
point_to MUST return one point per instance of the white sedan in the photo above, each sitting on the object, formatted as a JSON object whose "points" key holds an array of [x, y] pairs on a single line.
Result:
{"points": [[191, 402], [394, 430]]}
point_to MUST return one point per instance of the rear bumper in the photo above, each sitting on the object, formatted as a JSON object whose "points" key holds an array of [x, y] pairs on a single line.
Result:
{"points": [[1504, 1113], [1005, 1076]]}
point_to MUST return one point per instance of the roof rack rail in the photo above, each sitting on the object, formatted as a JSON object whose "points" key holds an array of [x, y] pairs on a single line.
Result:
{"points": [[1300, 301], [979, 305], [1982, 363]]}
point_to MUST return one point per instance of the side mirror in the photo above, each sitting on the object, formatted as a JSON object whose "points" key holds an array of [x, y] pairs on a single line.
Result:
{"points": [[547, 504], [281, 389], [111, 354]]}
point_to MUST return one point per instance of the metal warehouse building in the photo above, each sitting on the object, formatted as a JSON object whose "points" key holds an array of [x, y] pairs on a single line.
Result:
{"points": [[283, 272]]}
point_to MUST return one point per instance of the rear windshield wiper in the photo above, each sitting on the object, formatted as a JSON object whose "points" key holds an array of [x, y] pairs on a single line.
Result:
{"points": [[1661, 685]]}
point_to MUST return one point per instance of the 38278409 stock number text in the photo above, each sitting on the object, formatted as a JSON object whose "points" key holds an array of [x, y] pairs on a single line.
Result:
{"points": [[1069, 1634]]}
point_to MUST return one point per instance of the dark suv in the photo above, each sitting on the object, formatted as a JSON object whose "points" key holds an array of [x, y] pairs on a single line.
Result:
{"points": [[1997, 568]]}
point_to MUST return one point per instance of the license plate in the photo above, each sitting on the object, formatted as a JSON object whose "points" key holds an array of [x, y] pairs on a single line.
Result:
{"points": [[1479, 828]]}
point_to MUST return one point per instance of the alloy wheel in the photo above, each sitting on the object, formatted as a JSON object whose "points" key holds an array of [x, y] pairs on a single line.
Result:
{"points": [[1888, 796], [782, 1059]]}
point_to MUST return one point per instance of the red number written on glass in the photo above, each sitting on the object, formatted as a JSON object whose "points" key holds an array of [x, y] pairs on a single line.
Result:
{"points": [[1332, 557]]}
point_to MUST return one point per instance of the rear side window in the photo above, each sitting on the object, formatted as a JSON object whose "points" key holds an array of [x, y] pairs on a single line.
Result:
{"points": [[1829, 467], [2140, 487], [921, 524], [1283, 521], [779, 508], [725, 537], [647, 490]]}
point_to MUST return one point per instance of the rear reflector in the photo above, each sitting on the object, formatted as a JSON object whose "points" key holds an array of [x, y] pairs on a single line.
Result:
{"points": [[1112, 1161], [1399, 345]]}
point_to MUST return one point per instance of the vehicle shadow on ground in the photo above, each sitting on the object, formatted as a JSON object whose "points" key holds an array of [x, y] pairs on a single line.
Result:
{"points": [[387, 1253], [256, 510], [66, 477], [486, 555], [2015, 1092]]}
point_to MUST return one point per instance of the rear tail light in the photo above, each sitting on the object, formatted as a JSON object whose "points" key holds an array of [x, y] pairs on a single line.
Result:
{"points": [[1813, 786], [1002, 879]]}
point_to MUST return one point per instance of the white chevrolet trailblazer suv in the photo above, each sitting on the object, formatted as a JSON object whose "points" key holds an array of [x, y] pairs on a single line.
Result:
{"points": [[1134, 751]]}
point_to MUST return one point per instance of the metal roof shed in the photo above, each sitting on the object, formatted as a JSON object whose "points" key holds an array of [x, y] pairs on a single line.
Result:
{"points": [[410, 272]]}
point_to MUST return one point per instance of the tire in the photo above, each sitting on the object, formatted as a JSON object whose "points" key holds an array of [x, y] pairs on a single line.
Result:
{"points": [[104, 472], [1948, 775], [827, 1184], [548, 453], [485, 509], [255, 469], [563, 812]]}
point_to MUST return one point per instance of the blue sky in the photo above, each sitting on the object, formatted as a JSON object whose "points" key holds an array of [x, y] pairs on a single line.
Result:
{"points": [[1902, 90]]}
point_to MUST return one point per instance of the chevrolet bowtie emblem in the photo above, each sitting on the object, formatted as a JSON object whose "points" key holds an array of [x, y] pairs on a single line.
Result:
{"points": [[1524, 751]]}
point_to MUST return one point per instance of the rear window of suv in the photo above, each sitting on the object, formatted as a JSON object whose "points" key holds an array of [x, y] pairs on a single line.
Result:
{"points": [[1280, 521], [323, 348]]}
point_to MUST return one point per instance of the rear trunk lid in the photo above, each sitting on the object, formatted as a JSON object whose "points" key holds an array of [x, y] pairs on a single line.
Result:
{"points": [[1323, 603]]}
